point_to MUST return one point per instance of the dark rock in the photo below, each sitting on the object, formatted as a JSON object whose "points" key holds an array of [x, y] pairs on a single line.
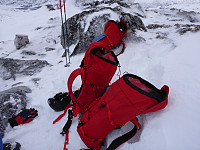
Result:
{"points": [[49, 49], [161, 35], [155, 26], [36, 81], [11, 67], [196, 28], [183, 28], [81, 34], [189, 15], [21, 41], [11, 102], [50, 7], [28, 53], [17, 84], [38, 28]]}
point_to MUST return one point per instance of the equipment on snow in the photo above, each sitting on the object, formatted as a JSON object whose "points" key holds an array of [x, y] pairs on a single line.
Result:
{"points": [[60, 101], [17, 146], [65, 33], [1, 143], [23, 117], [125, 99], [9, 146], [99, 68], [113, 34]]}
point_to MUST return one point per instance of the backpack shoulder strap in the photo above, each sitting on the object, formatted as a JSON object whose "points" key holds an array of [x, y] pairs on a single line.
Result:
{"points": [[71, 79], [122, 139], [98, 38]]}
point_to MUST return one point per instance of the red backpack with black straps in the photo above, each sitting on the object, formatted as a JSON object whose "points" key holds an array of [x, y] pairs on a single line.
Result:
{"points": [[113, 34], [127, 98], [98, 66], [98, 70]]}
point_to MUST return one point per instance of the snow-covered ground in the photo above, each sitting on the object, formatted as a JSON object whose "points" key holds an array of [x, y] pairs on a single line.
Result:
{"points": [[173, 61]]}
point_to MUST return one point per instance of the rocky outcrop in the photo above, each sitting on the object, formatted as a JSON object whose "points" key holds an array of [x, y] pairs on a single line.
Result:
{"points": [[50, 7], [182, 29], [12, 101], [21, 41], [9, 67], [83, 27]]}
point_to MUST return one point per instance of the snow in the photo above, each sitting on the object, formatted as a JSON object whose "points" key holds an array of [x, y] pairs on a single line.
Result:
{"points": [[173, 61]]}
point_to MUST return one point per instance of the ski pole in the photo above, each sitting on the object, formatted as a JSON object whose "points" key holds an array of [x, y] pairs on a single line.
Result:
{"points": [[63, 32], [66, 32]]}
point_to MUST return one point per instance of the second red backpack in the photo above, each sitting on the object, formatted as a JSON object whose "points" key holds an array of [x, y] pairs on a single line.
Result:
{"points": [[122, 102]]}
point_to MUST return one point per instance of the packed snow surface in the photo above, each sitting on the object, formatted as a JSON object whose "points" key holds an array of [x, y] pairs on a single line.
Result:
{"points": [[173, 61]]}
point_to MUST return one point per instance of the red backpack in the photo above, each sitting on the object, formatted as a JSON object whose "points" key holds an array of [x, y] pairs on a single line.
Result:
{"points": [[98, 70], [122, 102], [98, 66], [113, 34]]}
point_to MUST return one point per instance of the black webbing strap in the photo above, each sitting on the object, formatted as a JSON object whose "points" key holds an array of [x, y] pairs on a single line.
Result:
{"points": [[122, 139], [68, 123]]}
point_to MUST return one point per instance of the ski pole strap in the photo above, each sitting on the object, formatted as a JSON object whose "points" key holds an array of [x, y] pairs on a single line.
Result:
{"points": [[60, 117], [68, 123], [66, 140], [122, 139]]}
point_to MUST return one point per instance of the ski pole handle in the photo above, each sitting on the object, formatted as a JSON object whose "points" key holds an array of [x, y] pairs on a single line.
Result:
{"points": [[64, 5], [60, 6]]}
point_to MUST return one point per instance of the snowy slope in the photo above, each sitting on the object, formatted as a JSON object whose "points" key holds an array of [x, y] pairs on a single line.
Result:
{"points": [[173, 61]]}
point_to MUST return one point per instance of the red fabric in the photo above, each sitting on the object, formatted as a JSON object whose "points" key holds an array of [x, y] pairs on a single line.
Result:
{"points": [[70, 81], [113, 34], [66, 140], [60, 117], [97, 74], [20, 120], [120, 104]]}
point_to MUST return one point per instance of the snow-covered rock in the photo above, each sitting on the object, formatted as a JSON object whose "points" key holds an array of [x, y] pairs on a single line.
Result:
{"points": [[83, 27], [9, 67], [21, 40]]}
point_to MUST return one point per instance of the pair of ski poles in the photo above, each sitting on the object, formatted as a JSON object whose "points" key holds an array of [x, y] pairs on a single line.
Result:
{"points": [[65, 33]]}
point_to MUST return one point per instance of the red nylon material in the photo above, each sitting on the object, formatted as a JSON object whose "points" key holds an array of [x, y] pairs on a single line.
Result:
{"points": [[70, 81], [64, 5], [66, 140], [97, 72], [113, 34], [98, 77], [60, 6], [60, 117], [123, 104]]}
